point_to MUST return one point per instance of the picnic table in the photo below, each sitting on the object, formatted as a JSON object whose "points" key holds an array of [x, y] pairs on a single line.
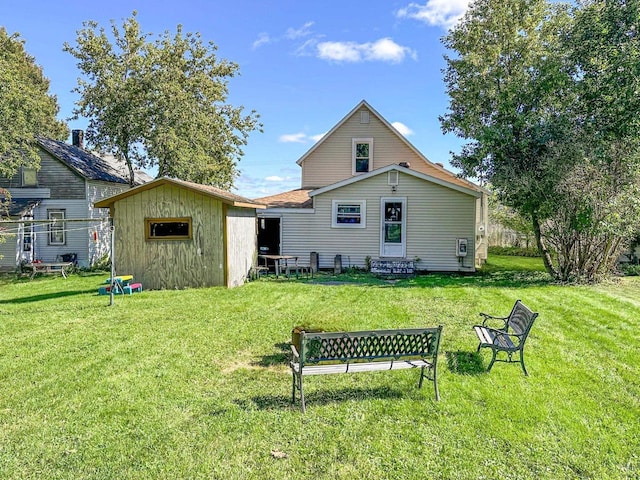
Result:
{"points": [[280, 261], [48, 267]]}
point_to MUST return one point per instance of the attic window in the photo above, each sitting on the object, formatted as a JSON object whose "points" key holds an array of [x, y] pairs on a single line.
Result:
{"points": [[364, 116], [29, 178], [362, 155], [168, 228]]}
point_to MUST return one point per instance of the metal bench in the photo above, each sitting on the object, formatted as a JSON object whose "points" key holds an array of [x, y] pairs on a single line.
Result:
{"points": [[509, 337], [367, 351]]}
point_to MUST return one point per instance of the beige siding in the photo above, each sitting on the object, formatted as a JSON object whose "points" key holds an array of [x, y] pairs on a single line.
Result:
{"points": [[436, 217], [241, 244], [170, 264], [331, 161]]}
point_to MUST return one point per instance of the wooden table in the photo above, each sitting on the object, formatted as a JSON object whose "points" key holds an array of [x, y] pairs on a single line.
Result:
{"points": [[281, 258], [52, 267]]}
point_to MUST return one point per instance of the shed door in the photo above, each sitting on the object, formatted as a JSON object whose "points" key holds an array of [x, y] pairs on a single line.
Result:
{"points": [[393, 227]]}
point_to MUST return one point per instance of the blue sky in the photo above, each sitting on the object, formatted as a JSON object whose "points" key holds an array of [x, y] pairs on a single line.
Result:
{"points": [[303, 65]]}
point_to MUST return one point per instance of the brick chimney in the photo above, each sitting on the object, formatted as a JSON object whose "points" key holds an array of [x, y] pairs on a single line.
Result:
{"points": [[77, 138]]}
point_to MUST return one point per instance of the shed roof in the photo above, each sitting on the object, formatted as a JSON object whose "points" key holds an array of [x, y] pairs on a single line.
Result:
{"points": [[89, 165], [223, 195]]}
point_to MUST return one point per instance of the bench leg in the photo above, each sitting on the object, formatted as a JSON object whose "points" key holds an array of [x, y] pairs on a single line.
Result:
{"points": [[493, 359], [434, 379], [297, 383], [524, 369]]}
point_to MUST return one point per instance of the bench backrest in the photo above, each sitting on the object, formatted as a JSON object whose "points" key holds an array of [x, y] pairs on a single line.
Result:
{"points": [[520, 319], [371, 345]]}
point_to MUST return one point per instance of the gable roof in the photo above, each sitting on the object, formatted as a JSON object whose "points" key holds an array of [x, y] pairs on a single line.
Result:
{"points": [[439, 170], [89, 165], [475, 192], [226, 197]]}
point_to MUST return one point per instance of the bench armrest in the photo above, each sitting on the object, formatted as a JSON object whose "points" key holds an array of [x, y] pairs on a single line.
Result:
{"points": [[295, 355], [497, 333], [488, 318]]}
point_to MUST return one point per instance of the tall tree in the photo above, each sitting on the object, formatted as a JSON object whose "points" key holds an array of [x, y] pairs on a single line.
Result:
{"points": [[161, 103], [517, 92], [26, 107]]}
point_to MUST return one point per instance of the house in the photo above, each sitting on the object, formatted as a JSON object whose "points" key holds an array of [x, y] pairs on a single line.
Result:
{"points": [[171, 234], [368, 195], [51, 213]]}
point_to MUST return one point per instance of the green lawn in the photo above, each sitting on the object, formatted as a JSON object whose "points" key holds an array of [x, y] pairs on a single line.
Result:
{"points": [[195, 383]]}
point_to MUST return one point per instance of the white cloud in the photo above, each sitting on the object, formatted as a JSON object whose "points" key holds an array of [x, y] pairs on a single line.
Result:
{"points": [[293, 33], [402, 128], [443, 13], [384, 49], [275, 178], [293, 138], [299, 138], [263, 38]]}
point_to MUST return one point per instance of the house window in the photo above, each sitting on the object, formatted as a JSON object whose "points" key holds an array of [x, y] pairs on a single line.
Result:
{"points": [[29, 178], [27, 240], [168, 228], [362, 155], [348, 214], [56, 227]]}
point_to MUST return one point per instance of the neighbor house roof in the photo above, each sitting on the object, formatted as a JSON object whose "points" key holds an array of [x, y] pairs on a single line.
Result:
{"points": [[89, 165], [223, 195], [298, 198], [19, 207]]}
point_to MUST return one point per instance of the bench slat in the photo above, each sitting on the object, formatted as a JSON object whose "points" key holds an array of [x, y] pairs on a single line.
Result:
{"points": [[360, 367]]}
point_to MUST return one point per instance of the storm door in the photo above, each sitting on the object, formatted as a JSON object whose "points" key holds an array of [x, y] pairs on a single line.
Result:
{"points": [[393, 227]]}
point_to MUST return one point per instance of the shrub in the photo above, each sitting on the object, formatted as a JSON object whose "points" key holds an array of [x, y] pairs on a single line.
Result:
{"points": [[515, 251]]}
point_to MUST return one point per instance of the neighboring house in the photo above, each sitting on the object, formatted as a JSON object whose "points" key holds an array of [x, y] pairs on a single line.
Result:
{"points": [[367, 193], [51, 208], [175, 234]]}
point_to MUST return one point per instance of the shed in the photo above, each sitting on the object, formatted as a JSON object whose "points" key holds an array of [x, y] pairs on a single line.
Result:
{"points": [[172, 234]]}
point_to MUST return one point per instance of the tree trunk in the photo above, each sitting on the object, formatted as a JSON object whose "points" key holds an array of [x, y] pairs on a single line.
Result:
{"points": [[542, 248]]}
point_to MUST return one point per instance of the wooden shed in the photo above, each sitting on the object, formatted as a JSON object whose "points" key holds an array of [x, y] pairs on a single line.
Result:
{"points": [[172, 234]]}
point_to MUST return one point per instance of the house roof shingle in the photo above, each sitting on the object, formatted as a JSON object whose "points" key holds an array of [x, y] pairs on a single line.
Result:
{"points": [[298, 198], [89, 165]]}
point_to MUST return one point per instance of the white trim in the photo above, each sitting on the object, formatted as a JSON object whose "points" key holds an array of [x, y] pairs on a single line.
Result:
{"points": [[403, 226], [354, 143], [57, 229], [363, 213], [373, 173]]}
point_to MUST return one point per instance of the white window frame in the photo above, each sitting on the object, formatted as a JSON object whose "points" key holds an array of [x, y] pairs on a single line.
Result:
{"points": [[354, 143], [335, 204], [57, 227]]}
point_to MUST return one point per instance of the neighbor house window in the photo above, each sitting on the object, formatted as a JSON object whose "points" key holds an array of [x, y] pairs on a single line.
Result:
{"points": [[56, 227], [348, 214], [362, 155], [167, 228], [29, 178]]}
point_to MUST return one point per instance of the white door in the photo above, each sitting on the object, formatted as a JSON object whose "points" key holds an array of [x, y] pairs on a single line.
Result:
{"points": [[393, 227]]}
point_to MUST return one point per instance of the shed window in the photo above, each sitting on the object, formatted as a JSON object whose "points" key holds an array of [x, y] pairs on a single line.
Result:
{"points": [[168, 228]]}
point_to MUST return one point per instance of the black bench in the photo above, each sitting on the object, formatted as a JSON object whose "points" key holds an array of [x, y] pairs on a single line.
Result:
{"points": [[510, 336], [368, 351]]}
